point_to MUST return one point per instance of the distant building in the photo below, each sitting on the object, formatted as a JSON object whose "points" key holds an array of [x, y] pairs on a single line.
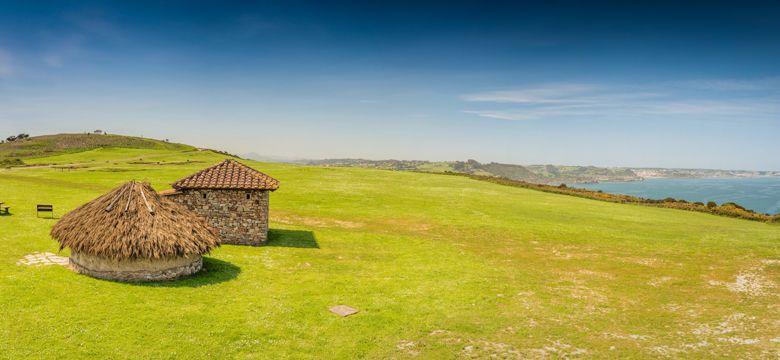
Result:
{"points": [[232, 197], [99, 132]]}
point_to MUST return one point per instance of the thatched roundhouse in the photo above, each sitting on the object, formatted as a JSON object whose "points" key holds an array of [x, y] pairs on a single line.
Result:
{"points": [[232, 197], [134, 234]]}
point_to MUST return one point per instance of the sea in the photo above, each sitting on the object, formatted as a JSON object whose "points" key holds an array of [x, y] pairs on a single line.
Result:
{"points": [[760, 194]]}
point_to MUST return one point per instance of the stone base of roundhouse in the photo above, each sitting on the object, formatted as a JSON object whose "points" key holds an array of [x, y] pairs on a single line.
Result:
{"points": [[243, 241], [137, 270]]}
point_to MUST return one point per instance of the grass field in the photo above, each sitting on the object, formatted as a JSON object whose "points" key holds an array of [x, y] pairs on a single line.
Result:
{"points": [[439, 267]]}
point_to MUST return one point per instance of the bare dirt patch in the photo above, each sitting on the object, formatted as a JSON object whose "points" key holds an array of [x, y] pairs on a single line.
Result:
{"points": [[408, 347], [650, 262], [750, 282], [657, 282], [635, 337], [486, 349], [316, 222], [596, 274]]}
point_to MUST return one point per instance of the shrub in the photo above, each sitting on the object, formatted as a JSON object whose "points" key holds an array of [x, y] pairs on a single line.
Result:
{"points": [[731, 204], [11, 162], [711, 204]]}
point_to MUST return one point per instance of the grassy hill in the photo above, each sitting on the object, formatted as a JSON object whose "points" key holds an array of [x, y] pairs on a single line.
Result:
{"points": [[14, 153], [439, 267]]}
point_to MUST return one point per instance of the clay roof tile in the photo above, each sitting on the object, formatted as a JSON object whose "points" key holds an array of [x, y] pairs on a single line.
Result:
{"points": [[229, 174]]}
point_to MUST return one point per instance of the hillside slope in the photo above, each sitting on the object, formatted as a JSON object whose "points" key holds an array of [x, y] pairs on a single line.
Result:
{"points": [[47, 145], [439, 267]]}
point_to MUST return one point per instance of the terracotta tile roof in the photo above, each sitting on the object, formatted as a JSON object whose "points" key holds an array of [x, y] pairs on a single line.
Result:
{"points": [[229, 174]]}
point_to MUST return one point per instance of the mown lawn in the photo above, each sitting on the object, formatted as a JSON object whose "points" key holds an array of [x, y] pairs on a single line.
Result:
{"points": [[439, 266]]}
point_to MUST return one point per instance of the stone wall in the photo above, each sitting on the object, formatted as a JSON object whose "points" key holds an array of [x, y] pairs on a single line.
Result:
{"points": [[137, 269], [240, 216]]}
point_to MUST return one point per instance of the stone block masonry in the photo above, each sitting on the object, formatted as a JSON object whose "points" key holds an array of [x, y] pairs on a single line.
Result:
{"points": [[240, 216], [135, 269]]}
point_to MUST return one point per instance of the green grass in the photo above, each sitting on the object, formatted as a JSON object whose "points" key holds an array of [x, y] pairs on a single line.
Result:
{"points": [[439, 266]]}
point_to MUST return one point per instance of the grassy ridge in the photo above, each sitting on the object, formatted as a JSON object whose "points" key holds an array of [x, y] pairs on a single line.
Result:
{"points": [[440, 267], [48, 145]]}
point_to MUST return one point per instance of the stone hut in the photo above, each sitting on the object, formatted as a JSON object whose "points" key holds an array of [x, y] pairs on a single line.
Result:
{"points": [[232, 197], [133, 234]]}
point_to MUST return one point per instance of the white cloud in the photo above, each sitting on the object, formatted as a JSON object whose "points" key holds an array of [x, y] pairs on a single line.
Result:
{"points": [[658, 100], [549, 94]]}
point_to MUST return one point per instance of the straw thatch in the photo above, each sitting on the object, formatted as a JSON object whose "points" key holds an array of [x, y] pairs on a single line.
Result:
{"points": [[134, 222]]}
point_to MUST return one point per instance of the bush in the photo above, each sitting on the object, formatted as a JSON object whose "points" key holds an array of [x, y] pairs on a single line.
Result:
{"points": [[731, 204], [712, 204], [4, 163]]}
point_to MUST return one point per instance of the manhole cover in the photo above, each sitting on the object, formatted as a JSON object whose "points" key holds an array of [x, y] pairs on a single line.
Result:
{"points": [[343, 310]]}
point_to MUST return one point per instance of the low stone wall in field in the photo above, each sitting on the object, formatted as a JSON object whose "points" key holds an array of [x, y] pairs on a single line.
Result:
{"points": [[136, 269], [240, 216]]}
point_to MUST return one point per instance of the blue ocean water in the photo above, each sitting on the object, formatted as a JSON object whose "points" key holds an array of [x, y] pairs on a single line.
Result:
{"points": [[761, 194]]}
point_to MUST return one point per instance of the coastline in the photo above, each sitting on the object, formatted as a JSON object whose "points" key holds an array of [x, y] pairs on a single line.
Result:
{"points": [[758, 193]]}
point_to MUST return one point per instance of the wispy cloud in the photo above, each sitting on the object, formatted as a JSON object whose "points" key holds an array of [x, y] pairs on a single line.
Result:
{"points": [[6, 69], [63, 50], [252, 25], [84, 27], [547, 94], [731, 84], [588, 101], [93, 23]]}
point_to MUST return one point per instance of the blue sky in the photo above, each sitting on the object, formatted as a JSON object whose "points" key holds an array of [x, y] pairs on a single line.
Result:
{"points": [[608, 84]]}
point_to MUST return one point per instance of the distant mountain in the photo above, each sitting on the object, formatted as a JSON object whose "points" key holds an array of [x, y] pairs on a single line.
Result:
{"points": [[542, 174], [273, 158]]}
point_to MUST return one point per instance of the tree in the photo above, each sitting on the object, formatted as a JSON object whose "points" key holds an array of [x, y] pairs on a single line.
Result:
{"points": [[21, 136]]}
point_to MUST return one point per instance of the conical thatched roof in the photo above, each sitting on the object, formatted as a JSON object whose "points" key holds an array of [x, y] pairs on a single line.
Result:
{"points": [[134, 222]]}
